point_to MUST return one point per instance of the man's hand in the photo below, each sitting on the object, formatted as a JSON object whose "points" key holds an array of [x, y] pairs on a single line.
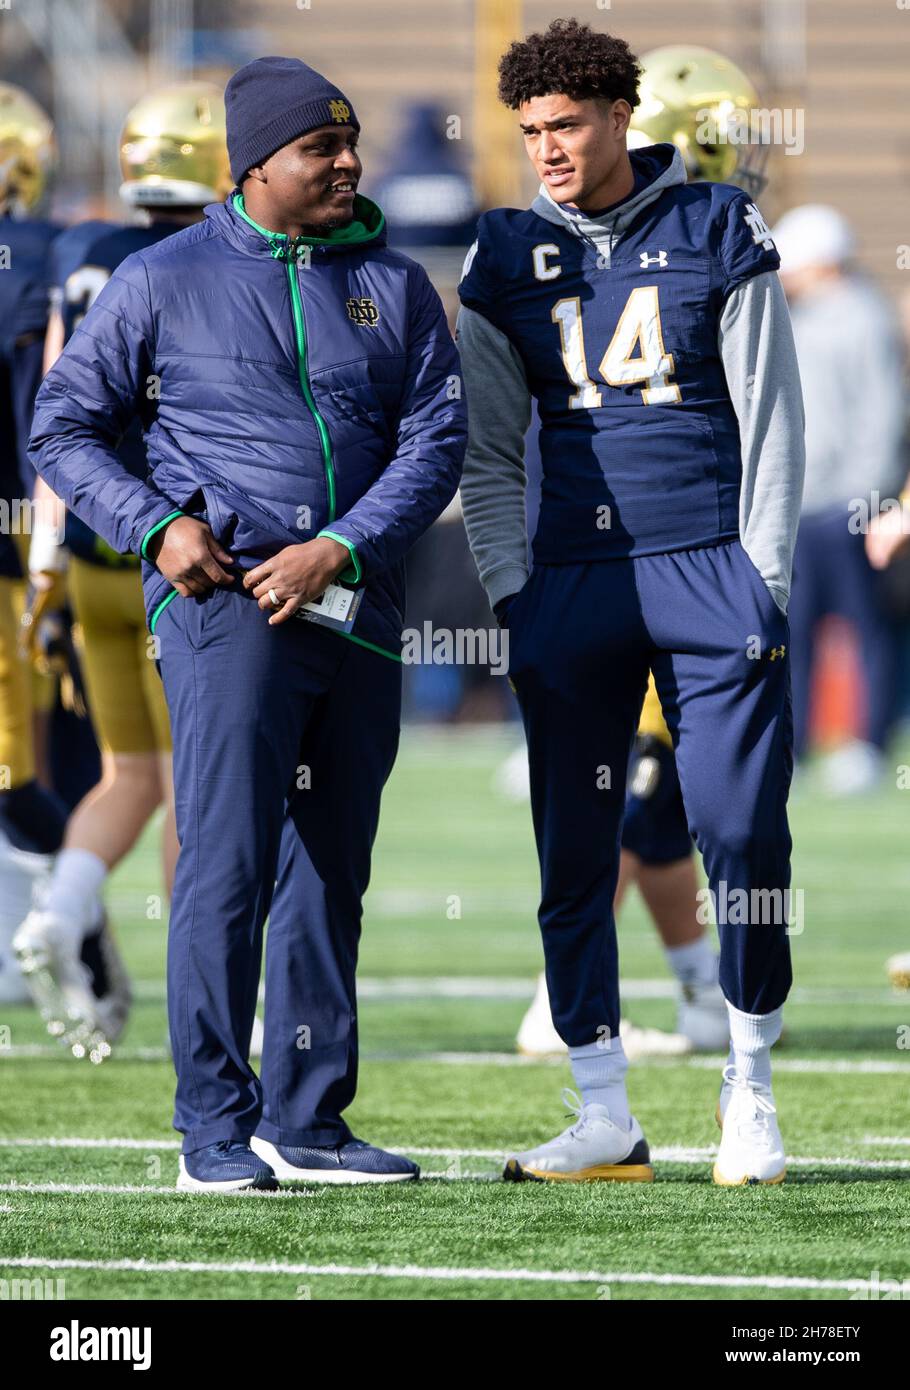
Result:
{"points": [[296, 575], [188, 555]]}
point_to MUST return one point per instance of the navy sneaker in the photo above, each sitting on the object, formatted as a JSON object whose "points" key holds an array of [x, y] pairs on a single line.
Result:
{"points": [[355, 1161], [228, 1166]]}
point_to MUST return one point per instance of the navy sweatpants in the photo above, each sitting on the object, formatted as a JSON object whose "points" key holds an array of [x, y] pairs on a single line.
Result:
{"points": [[582, 638], [283, 739], [831, 575]]}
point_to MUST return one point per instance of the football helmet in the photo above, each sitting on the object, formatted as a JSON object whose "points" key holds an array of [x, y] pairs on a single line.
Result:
{"points": [[173, 148], [697, 100], [26, 149]]}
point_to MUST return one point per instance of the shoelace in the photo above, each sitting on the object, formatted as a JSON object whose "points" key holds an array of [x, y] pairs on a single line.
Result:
{"points": [[574, 1103], [754, 1125]]}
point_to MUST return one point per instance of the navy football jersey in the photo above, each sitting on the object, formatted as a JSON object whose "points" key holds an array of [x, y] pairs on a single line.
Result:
{"points": [[83, 260], [24, 250], [639, 440]]}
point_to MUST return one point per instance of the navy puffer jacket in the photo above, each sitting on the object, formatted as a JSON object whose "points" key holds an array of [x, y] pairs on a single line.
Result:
{"points": [[285, 390]]}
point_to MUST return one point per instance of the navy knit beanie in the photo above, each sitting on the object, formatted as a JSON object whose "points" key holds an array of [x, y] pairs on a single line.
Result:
{"points": [[272, 101]]}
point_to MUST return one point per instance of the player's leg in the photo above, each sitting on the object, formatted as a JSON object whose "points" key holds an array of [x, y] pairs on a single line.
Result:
{"points": [[67, 941], [159, 722], [724, 685], [580, 690], [808, 604], [657, 831], [309, 1060], [857, 596], [32, 819], [239, 693]]}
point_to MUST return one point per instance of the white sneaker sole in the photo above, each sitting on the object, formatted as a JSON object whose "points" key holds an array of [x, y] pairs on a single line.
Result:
{"points": [[721, 1180], [288, 1172], [635, 1167], [187, 1183]]}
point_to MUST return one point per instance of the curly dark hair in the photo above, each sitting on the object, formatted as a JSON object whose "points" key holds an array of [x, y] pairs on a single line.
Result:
{"points": [[571, 58]]}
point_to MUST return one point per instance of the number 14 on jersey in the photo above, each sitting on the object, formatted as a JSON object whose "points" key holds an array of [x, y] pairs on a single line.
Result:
{"points": [[636, 352]]}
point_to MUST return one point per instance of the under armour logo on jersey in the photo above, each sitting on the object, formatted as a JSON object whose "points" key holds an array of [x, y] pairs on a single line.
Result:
{"points": [[662, 259], [761, 232], [777, 653], [363, 311]]}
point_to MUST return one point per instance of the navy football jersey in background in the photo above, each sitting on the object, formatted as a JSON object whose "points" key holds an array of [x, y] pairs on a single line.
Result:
{"points": [[25, 246], [639, 440], [83, 259]]}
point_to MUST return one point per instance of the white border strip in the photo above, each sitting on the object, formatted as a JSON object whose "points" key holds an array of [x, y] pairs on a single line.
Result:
{"points": [[521, 1275]]}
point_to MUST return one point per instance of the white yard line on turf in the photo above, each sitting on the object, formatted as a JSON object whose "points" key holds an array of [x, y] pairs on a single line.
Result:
{"points": [[673, 1153], [821, 1066], [531, 1276], [522, 987]]}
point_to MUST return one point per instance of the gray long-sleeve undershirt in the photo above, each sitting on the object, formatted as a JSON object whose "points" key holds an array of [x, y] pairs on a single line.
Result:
{"points": [[755, 341]]}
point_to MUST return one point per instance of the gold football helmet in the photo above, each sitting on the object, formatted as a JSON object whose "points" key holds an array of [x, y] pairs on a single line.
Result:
{"points": [[700, 102], [173, 149], [26, 149]]}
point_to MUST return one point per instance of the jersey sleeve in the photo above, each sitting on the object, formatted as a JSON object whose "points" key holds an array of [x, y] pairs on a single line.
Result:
{"points": [[58, 266], [746, 248], [481, 286]]}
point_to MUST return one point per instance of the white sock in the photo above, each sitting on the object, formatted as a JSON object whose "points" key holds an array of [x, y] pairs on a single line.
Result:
{"points": [[599, 1070], [751, 1039], [73, 894], [695, 963]]}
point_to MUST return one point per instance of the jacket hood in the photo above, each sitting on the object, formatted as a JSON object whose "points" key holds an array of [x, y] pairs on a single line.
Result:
{"points": [[656, 166], [233, 221]]}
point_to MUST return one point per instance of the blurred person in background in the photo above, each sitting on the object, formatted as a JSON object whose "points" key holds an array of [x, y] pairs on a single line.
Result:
{"points": [[428, 196], [851, 363], [32, 818], [173, 156], [888, 549]]}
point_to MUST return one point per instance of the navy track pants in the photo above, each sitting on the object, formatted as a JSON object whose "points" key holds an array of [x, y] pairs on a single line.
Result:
{"points": [[582, 637], [283, 739]]}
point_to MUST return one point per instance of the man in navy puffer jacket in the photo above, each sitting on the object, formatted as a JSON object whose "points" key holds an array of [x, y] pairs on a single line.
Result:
{"points": [[300, 395]]}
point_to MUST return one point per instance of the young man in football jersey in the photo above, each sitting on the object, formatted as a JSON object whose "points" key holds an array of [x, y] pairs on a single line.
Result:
{"points": [[179, 129], [682, 86], [645, 316]]}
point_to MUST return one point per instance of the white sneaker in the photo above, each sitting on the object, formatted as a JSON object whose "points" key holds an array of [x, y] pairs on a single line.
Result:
{"points": [[537, 1036], [111, 985], [853, 769], [751, 1149], [512, 778], [593, 1149], [640, 1043], [22, 875], [899, 970], [63, 986], [702, 1017]]}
